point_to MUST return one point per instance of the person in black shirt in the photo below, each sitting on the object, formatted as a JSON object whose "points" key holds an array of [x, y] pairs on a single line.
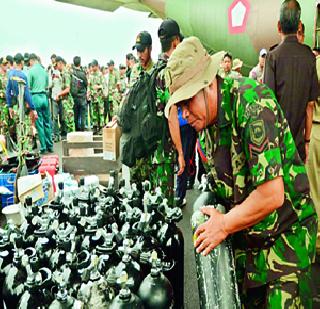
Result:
{"points": [[290, 71], [79, 97]]}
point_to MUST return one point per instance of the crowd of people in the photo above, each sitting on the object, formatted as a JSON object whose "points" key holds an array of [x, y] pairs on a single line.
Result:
{"points": [[64, 97], [252, 136]]}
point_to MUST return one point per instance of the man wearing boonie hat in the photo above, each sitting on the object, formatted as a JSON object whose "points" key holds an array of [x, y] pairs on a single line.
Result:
{"points": [[256, 172]]}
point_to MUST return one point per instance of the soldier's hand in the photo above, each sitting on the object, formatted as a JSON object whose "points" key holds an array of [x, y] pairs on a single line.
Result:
{"points": [[11, 112], [182, 164], [211, 233], [96, 87], [57, 97]]}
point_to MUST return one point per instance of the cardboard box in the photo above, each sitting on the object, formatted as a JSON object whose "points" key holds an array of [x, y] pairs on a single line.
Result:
{"points": [[30, 186], [80, 137], [111, 140]]}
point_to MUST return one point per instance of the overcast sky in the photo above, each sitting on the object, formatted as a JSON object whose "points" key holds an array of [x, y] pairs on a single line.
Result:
{"points": [[46, 26]]}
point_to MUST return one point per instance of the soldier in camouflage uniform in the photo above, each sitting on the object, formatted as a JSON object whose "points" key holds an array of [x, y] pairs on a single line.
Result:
{"points": [[12, 92], [65, 98], [256, 172], [143, 167], [113, 99], [4, 112], [159, 167], [96, 93]]}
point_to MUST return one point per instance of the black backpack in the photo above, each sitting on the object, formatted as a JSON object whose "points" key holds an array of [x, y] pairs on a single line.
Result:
{"points": [[141, 125], [77, 87]]}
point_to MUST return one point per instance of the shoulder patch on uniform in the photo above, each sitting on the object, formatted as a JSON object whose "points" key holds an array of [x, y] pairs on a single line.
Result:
{"points": [[257, 132]]}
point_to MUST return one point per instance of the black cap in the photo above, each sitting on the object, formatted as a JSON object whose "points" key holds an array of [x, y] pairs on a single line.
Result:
{"points": [[143, 40], [26, 57], [18, 58], [59, 59], [94, 62], [33, 57], [110, 63], [168, 29]]}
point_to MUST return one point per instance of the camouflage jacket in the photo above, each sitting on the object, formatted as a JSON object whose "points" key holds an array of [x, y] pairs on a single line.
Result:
{"points": [[251, 144], [96, 78], [65, 82], [136, 70], [3, 85], [113, 80], [165, 151]]}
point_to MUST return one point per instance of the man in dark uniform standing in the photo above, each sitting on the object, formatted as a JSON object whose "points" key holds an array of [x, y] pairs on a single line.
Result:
{"points": [[290, 71]]}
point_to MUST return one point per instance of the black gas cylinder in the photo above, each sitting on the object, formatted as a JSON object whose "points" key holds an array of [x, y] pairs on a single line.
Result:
{"points": [[156, 291]]}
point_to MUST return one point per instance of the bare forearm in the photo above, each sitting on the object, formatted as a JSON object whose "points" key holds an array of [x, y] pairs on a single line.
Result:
{"points": [[174, 128], [260, 203], [309, 118], [64, 92]]}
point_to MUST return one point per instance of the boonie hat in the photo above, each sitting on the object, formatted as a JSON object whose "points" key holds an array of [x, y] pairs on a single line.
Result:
{"points": [[122, 66], [190, 68], [143, 40], [168, 29], [237, 63], [110, 63]]}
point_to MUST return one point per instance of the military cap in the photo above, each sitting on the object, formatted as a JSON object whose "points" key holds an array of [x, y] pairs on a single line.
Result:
{"points": [[121, 66], [33, 57], [143, 40], [9, 59], [110, 63], [129, 56], [26, 57], [18, 58], [53, 56], [59, 59], [168, 29], [94, 62]]}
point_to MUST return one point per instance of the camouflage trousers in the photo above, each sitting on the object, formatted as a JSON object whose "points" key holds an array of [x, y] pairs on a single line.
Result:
{"points": [[97, 110], [68, 114], [291, 291], [4, 117], [159, 174]]}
